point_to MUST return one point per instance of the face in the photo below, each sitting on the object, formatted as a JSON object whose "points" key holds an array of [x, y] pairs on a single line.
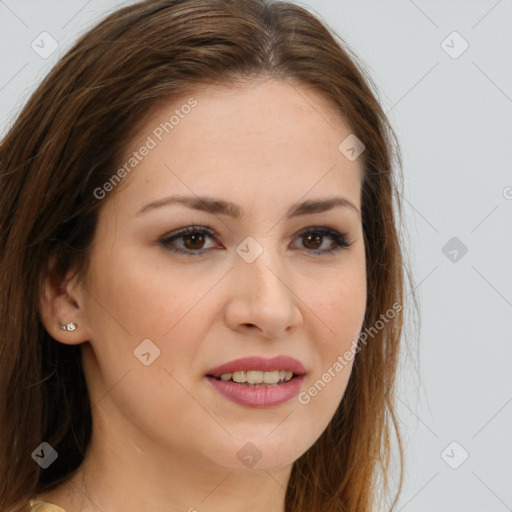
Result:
{"points": [[255, 276]]}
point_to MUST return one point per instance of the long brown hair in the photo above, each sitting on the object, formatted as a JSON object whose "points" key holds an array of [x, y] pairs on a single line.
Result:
{"points": [[68, 140]]}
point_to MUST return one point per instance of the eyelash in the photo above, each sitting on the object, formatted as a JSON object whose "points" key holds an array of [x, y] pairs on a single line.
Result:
{"points": [[339, 239]]}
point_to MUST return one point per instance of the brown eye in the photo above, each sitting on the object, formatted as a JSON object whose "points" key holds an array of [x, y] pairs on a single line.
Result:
{"points": [[313, 241], [194, 241], [314, 238], [190, 240]]}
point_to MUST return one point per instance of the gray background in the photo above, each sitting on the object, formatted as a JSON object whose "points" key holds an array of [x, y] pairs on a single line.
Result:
{"points": [[453, 116]]}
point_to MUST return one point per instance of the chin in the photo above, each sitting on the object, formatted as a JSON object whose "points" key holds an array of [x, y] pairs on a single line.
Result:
{"points": [[259, 453]]}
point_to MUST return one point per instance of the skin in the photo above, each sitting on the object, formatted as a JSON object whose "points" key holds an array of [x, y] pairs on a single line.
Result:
{"points": [[163, 438]]}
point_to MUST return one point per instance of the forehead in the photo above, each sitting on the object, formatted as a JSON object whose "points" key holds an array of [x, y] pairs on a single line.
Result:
{"points": [[267, 110], [262, 137]]}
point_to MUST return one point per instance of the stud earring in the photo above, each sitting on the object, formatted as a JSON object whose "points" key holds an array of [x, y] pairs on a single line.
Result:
{"points": [[69, 327]]}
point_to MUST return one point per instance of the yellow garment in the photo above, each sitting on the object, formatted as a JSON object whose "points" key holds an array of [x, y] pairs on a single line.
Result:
{"points": [[41, 506]]}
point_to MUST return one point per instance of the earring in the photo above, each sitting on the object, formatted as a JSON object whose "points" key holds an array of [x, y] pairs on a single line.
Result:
{"points": [[69, 327]]}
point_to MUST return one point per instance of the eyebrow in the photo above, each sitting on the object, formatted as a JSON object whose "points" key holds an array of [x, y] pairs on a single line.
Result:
{"points": [[221, 207]]}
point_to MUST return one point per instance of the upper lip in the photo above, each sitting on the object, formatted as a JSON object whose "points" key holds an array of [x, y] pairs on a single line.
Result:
{"points": [[258, 363]]}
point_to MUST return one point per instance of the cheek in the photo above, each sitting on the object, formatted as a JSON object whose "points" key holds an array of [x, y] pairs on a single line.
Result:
{"points": [[133, 314], [340, 310], [134, 302], [136, 298], [338, 315]]}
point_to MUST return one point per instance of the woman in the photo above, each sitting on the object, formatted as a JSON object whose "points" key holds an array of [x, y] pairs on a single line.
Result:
{"points": [[202, 281]]}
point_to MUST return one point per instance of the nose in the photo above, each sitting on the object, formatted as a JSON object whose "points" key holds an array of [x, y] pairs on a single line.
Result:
{"points": [[263, 298]]}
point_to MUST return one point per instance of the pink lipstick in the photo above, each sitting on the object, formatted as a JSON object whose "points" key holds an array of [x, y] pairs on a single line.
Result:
{"points": [[258, 382]]}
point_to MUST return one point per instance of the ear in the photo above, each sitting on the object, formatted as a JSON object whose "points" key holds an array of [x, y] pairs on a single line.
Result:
{"points": [[61, 302]]}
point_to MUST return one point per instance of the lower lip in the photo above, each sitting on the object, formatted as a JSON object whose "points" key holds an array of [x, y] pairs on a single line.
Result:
{"points": [[262, 397]]}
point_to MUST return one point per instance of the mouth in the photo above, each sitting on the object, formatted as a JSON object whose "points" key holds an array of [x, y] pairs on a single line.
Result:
{"points": [[258, 370], [257, 378], [258, 382]]}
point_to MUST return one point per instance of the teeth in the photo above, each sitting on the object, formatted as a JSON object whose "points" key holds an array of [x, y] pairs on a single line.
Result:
{"points": [[271, 377], [239, 377], [254, 377], [257, 377]]}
